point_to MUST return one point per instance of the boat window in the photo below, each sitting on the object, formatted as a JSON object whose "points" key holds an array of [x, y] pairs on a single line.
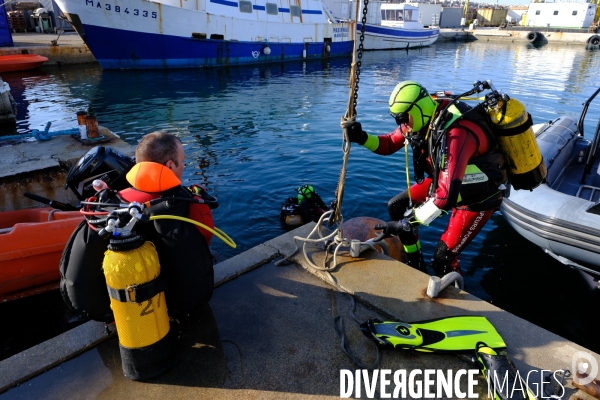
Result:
{"points": [[272, 9], [390, 15], [408, 15], [555, 13], [295, 11], [245, 6], [399, 15], [537, 12], [574, 12]]}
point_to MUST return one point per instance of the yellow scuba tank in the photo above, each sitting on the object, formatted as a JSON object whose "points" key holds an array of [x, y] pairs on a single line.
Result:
{"points": [[516, 140], [131, 268]]}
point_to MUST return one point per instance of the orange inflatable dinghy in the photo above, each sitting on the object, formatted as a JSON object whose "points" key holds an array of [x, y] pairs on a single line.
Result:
{"points": [[20, 62], [31, 244]]}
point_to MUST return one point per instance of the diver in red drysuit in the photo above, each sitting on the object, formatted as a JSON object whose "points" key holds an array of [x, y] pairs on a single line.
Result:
{"points": [[470, 182]]}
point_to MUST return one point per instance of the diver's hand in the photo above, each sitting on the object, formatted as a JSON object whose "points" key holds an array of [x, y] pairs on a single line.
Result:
{"points": [[394, 227], [356, 133]]}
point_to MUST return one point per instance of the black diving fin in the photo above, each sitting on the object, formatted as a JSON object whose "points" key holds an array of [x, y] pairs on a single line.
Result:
{"points": [[451, 334], [503, 380]]}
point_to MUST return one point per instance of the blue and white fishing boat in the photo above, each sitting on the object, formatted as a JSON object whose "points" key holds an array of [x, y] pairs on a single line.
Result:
{"points": [[395, 26], [142, 34], [562, 215]]}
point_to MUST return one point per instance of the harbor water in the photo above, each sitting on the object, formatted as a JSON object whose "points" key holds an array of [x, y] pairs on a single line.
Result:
{"points": [[253, 134]]}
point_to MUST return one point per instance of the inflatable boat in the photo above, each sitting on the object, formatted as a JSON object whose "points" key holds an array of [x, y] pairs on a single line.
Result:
{"points": [[20, 62], [562, 215], [31, 244]]}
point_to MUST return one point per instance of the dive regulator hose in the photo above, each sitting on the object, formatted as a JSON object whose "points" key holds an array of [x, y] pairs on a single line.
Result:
{"points": [[217, 232]]}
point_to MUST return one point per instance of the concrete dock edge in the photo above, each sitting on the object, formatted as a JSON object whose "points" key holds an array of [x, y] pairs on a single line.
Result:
{"points": [[377, 281]]}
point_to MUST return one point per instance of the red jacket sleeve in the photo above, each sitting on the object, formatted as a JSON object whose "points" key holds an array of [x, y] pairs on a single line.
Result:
{"points": [[391, 143], [202, 214], [463, 141]]}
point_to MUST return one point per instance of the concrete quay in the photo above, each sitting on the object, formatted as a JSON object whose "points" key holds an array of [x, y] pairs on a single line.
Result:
{"points": [[69, 49], [41, 167], [269, 334], [548, 35]]}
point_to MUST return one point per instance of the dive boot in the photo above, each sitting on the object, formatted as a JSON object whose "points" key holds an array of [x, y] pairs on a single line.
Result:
{"points": [[460, 333], [503, 380]]}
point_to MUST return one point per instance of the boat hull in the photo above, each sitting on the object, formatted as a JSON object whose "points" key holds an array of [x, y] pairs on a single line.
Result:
{"points": [[20, 62], [147, 34], [30, 250], [559, 215], [552, 231], [176, 52], [389, 38]]}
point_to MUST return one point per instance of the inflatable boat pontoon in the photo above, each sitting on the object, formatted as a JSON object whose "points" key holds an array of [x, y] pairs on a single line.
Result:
{"points": [[562, 215]]}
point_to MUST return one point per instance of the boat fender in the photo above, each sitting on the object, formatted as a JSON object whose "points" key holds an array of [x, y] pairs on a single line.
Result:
{"points": [[534, 37], [594, 40], [511, 125], [132, 269]]}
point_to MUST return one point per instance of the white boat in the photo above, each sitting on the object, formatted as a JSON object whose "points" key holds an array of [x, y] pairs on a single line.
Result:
{"points": [[562, 215], [395, 26], [203, 33]]}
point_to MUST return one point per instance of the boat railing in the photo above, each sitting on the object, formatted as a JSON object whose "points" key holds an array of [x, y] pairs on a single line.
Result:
{"points": [[596, 139], [584, 112]]}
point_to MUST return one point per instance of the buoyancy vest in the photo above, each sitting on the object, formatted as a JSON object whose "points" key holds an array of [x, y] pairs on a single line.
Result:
{"points": [[185, 259], [483, 181], [486, 175]]}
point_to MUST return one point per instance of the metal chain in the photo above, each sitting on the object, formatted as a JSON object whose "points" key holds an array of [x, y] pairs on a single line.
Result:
{"points": [[359, 56], [350, 116]]}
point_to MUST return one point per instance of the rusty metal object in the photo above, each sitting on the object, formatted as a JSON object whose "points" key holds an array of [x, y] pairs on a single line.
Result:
{"points": [[363, 228], [92, 126], [81, 117], [592, 388]]}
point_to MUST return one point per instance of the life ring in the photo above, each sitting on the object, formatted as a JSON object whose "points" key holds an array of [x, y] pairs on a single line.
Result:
{"points": [[594, 40], [534, 37]]}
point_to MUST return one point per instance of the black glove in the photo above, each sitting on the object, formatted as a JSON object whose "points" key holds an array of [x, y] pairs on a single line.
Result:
{"points": [[394, 227], [356, 134]]}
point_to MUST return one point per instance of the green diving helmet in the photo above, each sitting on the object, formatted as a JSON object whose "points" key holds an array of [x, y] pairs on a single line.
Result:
{"points": [[305, 192], [410, 98]]}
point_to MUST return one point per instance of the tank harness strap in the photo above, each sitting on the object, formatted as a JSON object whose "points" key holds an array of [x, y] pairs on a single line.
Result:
{"points": [[138, 293], [517, 130]]}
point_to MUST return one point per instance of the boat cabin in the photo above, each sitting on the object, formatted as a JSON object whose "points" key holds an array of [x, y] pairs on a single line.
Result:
{"points": [[397, 15], [400, 15], [560, 15]]}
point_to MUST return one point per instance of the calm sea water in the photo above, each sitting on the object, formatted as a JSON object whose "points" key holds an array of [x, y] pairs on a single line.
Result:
{"points": [[254, 134]]}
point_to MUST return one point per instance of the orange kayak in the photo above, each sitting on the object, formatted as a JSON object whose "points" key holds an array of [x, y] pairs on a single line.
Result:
{"points": [[31, 244], [20, 62]]}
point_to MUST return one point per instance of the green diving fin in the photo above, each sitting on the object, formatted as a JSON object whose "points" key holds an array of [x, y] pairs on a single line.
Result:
{"points": [[503, 380], [460, 333]]}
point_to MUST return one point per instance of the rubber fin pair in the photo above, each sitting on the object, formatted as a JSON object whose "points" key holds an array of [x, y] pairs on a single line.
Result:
{"points": [[451, 334], [503, 380]]}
